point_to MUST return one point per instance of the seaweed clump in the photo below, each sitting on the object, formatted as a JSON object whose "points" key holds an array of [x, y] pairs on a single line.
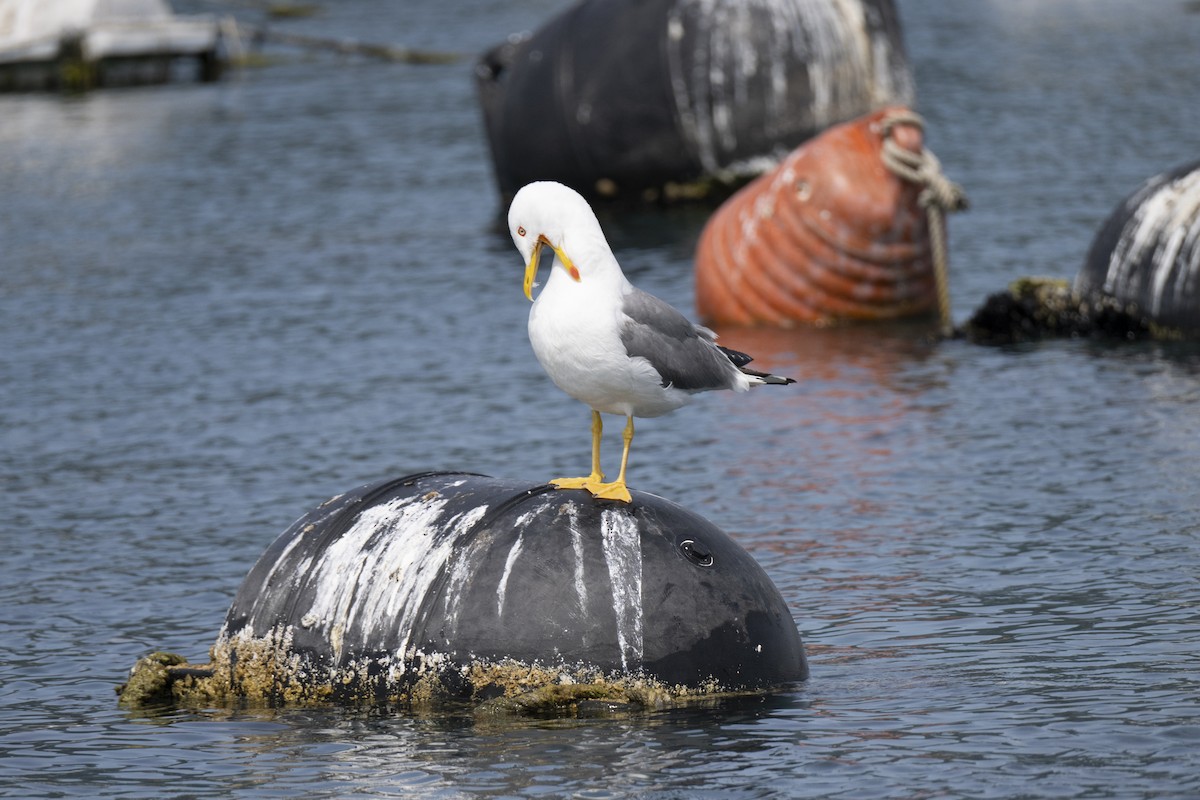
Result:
{"points": [[266, 671], [1032, 309]]}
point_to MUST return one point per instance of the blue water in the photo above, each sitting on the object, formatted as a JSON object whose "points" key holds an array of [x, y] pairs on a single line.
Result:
{"points": [[221, 305]]}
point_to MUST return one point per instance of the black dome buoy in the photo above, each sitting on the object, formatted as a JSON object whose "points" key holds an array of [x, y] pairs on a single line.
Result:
{"points": [[633, 98], [1147, 253], [366, 594], [1140, 279]]}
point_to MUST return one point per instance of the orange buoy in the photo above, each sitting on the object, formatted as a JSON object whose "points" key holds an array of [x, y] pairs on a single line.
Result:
{"points": [[832, 234]]}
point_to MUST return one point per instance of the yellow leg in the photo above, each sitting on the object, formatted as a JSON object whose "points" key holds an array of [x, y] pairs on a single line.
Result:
{"points": [[596, 477], [617, 490]]}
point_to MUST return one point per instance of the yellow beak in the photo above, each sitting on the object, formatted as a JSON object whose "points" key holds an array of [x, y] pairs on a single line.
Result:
{"points": [[532, 266]]}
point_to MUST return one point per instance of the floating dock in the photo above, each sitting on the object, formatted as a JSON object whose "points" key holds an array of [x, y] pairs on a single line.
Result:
{"points": [[75, 45]]}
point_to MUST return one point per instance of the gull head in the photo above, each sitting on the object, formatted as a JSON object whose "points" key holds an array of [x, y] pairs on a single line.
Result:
{"points": [[548, 214]]}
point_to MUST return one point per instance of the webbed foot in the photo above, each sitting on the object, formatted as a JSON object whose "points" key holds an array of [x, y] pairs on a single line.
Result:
{"points": [[616, 490]]}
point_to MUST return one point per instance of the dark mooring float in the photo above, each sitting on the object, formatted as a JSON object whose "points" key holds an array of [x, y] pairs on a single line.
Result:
{"points": [[460, 587], [1147, 253], [1140, 279], [651, 99]]}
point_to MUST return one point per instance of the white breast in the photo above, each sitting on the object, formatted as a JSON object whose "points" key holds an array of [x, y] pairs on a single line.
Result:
{"points": [[575, 333]]}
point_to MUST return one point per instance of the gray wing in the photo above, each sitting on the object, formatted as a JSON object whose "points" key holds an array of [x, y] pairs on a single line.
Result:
{"points": [[684, 355]]}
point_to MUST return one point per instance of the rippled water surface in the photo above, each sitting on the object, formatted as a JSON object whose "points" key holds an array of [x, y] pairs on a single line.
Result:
{"points": [[220, 305]]}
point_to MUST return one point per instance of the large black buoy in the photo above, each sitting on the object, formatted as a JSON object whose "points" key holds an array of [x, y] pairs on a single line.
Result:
{"points": [[1146, 255], [449, 574], [634, 98]]}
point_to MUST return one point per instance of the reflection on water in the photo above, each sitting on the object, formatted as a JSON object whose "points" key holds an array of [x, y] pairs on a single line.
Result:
{"points": [[449, 756], [220, 306]]}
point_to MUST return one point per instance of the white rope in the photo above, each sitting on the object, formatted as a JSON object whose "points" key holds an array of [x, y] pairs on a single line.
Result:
{"points": [[939, 196]]}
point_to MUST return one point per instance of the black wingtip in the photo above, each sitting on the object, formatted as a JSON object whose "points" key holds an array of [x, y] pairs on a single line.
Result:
{"points": [[738, 358], [767, 377]]}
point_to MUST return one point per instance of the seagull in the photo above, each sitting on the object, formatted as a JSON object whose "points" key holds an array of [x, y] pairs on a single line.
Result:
{"points": [[603, 341]]}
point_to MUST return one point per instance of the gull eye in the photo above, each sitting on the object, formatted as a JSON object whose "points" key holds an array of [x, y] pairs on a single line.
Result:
{"points": [[520, 231]]}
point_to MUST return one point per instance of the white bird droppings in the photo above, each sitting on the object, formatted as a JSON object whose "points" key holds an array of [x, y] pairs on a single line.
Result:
{"points": [[623, 555]]}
